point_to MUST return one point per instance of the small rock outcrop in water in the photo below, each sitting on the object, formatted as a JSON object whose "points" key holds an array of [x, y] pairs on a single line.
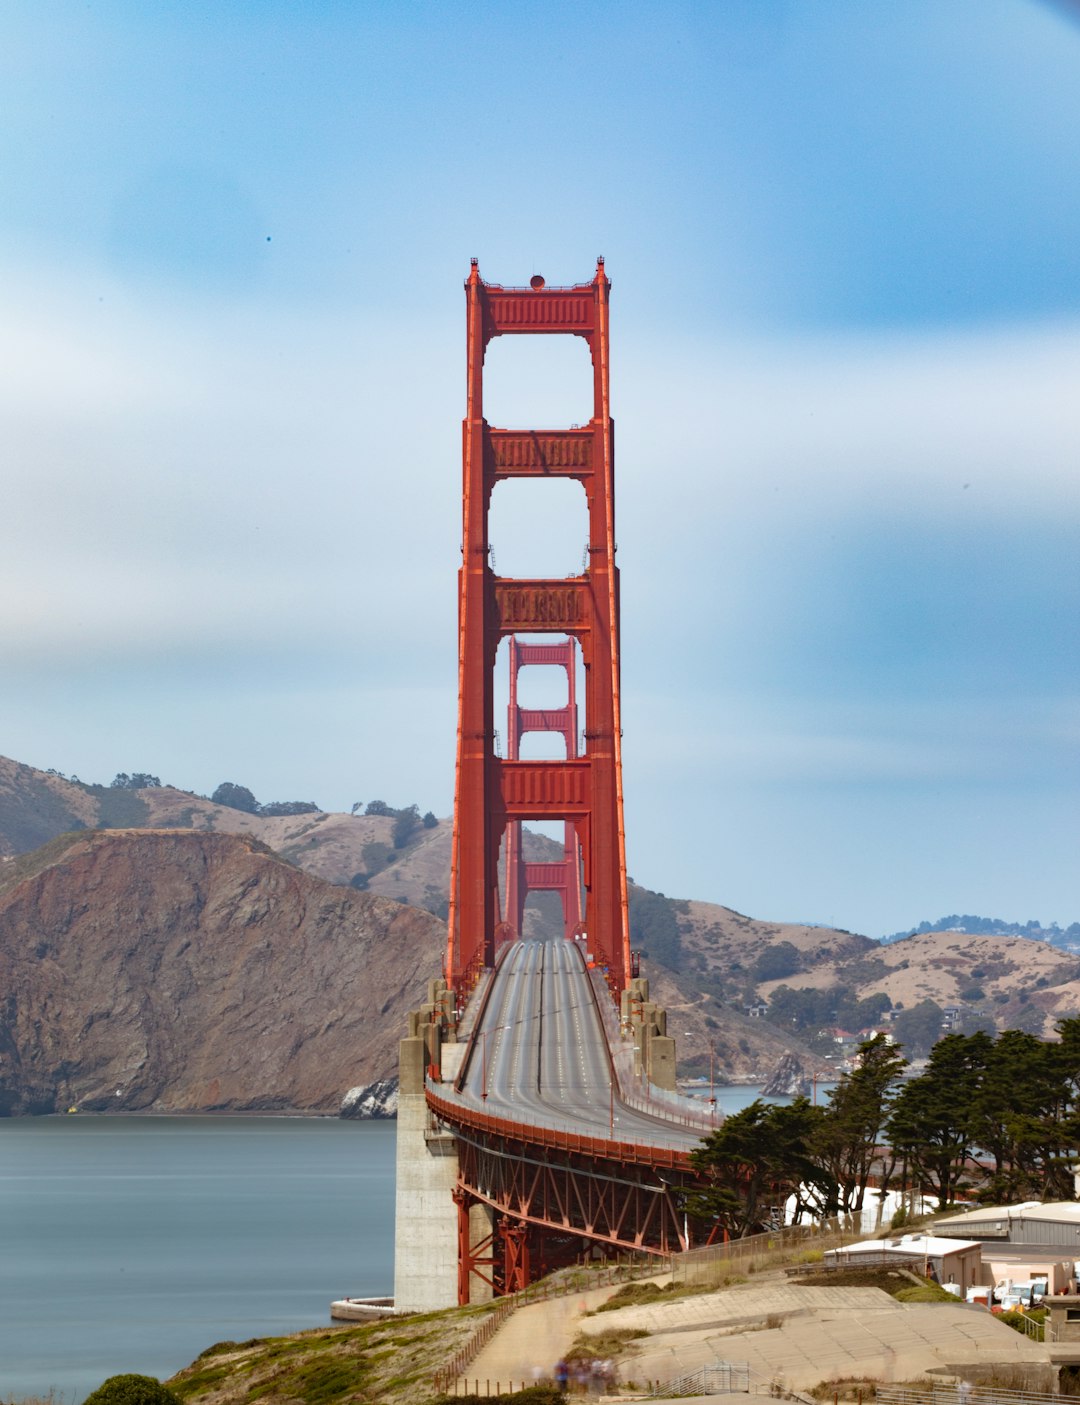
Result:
{"points": [[788, 1078], [150, 970], [373, 1100]]}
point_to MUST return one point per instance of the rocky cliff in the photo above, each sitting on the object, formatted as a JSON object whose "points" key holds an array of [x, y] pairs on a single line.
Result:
{"points": [[175, 972]]}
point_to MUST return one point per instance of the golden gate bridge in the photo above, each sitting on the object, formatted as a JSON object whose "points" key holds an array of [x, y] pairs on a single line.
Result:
{"points": [[538, 1121]]}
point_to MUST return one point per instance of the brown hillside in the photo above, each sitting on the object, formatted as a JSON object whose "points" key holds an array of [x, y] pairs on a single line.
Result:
{"points": [[36, 806], [1019, 983], [330, 846], [718, 940], [743, 1050], [189, 971]]}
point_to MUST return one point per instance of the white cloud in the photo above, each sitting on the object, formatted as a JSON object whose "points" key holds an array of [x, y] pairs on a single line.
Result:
{"points": [[870, 423], [192, 491]]}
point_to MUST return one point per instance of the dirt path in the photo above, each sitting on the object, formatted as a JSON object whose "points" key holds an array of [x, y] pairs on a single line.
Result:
{"points": [[534, 1337]]}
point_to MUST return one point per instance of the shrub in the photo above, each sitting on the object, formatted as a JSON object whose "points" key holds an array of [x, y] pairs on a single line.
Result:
{"points": [[654, 927], [1018, 1322], [132, 1390], [928, 1292], [235, 797], [405, 826], [376, 856], [776, 962]]}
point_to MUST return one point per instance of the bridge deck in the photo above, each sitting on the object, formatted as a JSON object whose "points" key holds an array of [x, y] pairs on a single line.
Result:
{"points": [[539, 1056]]}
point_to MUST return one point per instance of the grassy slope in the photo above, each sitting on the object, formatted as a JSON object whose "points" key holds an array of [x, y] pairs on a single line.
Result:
{"points": [[392, 1362]]}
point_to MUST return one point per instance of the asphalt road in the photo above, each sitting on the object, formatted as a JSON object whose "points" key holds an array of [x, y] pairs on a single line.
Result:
{"points": [[541, 1054]]}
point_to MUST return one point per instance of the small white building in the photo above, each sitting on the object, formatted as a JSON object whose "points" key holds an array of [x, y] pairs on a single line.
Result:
{"points": [[948, 1261]]}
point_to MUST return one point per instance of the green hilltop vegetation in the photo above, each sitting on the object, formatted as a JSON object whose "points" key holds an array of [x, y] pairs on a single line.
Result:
{"points": [[994, 926]]}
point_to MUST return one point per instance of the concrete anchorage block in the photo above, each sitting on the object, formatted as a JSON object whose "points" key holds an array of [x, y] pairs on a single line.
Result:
{"points": [[425, 1228], [661, 1062]]}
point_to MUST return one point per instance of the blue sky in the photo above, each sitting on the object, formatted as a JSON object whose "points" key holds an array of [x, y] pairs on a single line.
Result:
{"points": [[846, 378]]}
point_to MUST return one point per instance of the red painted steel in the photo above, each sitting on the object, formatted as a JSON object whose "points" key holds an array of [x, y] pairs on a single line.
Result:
{"points": [[557, 1196], [562, 876], [584, 791], [458, 1116]]}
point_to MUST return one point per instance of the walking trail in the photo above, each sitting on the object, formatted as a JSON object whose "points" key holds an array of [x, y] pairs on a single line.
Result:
{"points": [[536, 1335]]}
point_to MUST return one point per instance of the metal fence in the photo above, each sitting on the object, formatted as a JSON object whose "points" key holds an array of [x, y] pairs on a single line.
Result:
{"points": [[961, 1394], [725, 1378], [721, 1378], [702, 1265], [453, 1376]]}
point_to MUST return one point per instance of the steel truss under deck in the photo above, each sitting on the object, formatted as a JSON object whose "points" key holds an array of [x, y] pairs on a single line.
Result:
{"points": [[555, 1197]]}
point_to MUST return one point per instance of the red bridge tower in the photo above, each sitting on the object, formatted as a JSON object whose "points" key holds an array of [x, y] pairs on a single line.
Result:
{"points": [[584, 790], [562, 876]]}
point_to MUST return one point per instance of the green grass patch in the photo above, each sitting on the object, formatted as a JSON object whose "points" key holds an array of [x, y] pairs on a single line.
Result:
{"points": [[220, 1347], [203, 1380], [926, 1292], [322, 1382], [611, 1342], [392, 1362], [638, 1294]]}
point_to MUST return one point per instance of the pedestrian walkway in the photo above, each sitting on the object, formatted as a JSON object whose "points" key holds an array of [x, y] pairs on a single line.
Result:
{"points": [[535, 1336]]}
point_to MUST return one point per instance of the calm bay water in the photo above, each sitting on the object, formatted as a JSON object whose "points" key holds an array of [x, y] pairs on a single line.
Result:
{"points": [[734, 1097], [131, 1243]]}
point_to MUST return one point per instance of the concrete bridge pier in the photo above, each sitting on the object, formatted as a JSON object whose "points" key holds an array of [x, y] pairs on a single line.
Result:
{"points": [[425, 1224], [450, 1247], [654, 1049]]}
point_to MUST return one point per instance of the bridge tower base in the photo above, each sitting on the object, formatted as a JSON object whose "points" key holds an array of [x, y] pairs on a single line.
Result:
{"points": [[425, 1217]]}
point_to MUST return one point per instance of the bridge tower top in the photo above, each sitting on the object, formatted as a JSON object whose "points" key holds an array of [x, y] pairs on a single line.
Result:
{"points": [[583, 790]]}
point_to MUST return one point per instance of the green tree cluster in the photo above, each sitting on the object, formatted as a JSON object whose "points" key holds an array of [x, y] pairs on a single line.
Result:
{"points": [[755, 1160], [132, 1390], [823, 1156], [982, 926], [995, 1117], [238, 797], [1000, 1116], [776, 962], [919, 1028], [654, 926], [836, 1005], [406, 824], [406, 820]]}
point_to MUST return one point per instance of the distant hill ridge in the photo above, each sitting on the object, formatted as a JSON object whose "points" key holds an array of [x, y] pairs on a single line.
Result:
{"points": [[741, 993], [994, 926]]}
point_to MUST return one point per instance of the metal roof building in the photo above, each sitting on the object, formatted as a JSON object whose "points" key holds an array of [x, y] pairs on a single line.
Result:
{"points": [[1055, 1225]]}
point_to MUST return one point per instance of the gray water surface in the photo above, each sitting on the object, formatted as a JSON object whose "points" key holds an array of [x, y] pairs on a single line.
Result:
{"points": [[133, 1243]]}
